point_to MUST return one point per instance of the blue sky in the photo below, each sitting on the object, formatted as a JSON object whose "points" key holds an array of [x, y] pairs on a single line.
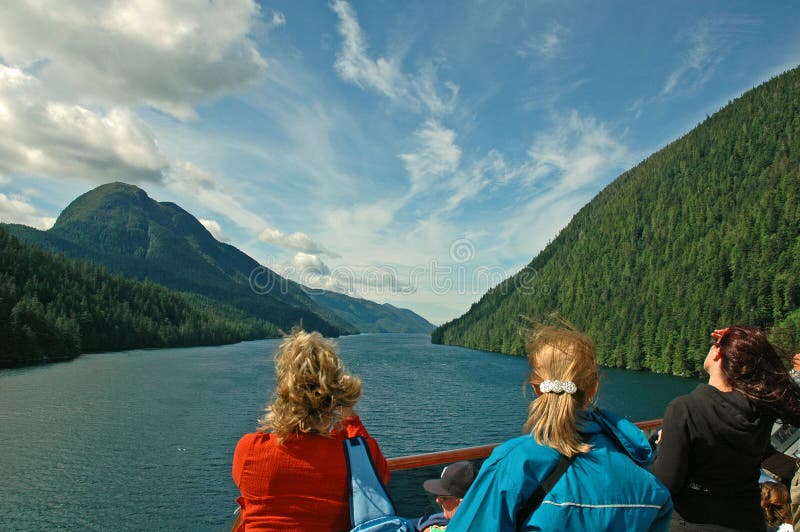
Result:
{"points": [[407, 152]]}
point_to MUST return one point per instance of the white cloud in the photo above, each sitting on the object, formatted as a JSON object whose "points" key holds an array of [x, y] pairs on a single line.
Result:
{"points": [[58, 140], [274, 18], [385, 75], [440, 101], [353, 63], [294, 241], [466, 185], [189, 179], [16, 209], [568, 164], [170, 55], [437, 155], [547, 45], [310, 264], [214, 228], [579, 151], [709, 40]]}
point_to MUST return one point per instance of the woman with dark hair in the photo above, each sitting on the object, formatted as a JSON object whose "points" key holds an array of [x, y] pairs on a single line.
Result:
{"points": [[713, 439]]}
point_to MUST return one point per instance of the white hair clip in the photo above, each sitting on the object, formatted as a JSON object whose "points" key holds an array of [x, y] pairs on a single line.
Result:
{"points": [[558, 387]]}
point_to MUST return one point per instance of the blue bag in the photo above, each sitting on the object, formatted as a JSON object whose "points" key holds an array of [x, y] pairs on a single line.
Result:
{"points": [[371, 509]]}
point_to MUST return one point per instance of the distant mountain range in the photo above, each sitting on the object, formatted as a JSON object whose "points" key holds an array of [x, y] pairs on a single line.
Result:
{"points": [[703, 234], [121, 228]]}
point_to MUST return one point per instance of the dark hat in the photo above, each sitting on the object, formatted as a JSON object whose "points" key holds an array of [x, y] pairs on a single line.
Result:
{"points": [[456, 480]]}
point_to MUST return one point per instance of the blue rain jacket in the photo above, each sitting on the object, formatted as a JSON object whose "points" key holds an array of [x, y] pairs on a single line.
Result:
{"points": [[607, 488]]}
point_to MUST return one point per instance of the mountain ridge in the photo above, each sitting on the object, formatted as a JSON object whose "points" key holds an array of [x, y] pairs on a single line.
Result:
{"points": [[121, 227], [702, 233]]}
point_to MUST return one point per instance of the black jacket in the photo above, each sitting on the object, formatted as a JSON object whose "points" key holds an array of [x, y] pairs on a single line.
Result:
{"points": [[711, 447]]}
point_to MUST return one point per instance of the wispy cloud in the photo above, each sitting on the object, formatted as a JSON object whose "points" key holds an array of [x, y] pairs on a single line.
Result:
{"points": [[17, 209], [169, 55], [354, 64], [189, 179], [437, 155], [546, 45], [578, 151], [422, 91], [708, 42], [567, 165]]}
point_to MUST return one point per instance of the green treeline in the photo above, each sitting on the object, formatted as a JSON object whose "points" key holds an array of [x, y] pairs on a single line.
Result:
{"points": [[53, 308], [704, 233]]}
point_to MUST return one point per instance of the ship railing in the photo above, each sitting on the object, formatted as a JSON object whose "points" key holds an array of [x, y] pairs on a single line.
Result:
{"points": [[409, 472]]}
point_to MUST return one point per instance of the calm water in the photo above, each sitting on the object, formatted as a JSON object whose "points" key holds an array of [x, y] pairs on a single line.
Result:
{"points": [[142, 440]]}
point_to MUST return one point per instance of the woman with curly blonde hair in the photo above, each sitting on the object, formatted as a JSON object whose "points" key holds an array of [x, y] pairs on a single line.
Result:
{"points": [[292, 473]]}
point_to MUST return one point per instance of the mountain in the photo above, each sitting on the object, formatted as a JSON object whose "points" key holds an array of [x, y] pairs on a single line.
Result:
{"points": [[703, 234], [53, 308], [120, 227], [371, 317]]}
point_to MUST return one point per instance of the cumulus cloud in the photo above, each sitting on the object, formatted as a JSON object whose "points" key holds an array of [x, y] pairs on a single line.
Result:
{"points": [[53, 139], [214, 228], [437, 154], [547, 45], [384, 74], [310, 264], [16, 209], [294, 241], [169, 55]]}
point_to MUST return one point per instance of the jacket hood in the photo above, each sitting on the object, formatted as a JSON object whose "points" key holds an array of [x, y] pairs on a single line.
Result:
{"points": [[738, 419], [628, 436]]}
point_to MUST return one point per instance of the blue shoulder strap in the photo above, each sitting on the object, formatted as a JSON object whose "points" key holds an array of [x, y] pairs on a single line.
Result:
{"points": [[368, 497]]}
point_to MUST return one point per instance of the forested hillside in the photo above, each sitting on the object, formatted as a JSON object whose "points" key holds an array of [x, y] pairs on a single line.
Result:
{"points": [[121, 228], [702, 234], [371, 317], [53, 308]]}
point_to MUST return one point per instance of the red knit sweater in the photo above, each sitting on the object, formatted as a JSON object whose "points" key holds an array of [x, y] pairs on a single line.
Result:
{"points": [[300, 484]]}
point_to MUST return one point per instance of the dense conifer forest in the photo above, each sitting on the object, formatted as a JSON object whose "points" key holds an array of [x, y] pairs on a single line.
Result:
{"points": [[703, 234], [53, 308]]}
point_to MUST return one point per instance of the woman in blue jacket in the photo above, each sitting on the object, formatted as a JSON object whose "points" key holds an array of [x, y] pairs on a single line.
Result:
{"points": [[605, 485]]}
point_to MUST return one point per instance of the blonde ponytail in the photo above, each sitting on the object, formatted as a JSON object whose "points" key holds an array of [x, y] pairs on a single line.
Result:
{"points": [[566, 355]]}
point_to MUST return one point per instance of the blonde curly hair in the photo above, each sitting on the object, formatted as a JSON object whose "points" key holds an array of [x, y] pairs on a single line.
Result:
{"points": [[311, 389]]}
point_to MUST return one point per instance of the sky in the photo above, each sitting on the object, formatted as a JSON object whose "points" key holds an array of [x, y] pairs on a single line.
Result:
{"points": [[409, 152]]}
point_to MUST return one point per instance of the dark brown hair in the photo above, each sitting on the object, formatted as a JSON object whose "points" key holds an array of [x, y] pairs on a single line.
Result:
{"points": [[754, 368]]}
